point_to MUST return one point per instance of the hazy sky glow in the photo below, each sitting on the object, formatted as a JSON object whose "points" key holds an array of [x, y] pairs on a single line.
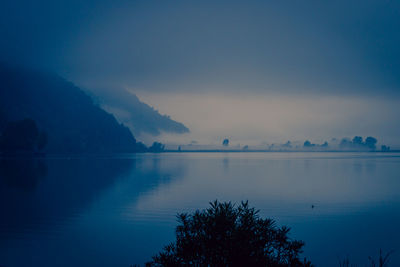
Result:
{"points": [[252, 119], [253, 70]]}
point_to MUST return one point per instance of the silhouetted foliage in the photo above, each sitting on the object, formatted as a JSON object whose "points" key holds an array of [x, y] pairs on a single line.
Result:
{"points": [[140, 147], [22, 135], [225, 142], [357, 140], [383, 261], [307, 144], [156, 147], [370, 142], [358, 144], [226, 235], [288, 144], [345, 262]]}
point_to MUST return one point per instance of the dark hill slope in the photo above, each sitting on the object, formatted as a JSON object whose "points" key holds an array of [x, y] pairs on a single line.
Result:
{"points": [[74, 124]]}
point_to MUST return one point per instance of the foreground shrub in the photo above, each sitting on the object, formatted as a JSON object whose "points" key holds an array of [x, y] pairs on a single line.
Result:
{"points": [[226, 235]]}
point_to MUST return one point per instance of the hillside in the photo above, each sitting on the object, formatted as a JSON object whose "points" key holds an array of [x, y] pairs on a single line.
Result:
{"points": [[138, 116], [73, 123]]}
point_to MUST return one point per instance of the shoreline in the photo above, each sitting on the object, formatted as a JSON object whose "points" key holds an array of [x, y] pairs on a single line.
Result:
{"points": [[216, 151]]}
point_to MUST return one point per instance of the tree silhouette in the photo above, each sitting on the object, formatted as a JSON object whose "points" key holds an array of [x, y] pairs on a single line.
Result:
{"points": [[358, 140], [226, 235], [22, 135], [19, 136], [225, 142], [156, 147], [307, 144], [370, 142]]}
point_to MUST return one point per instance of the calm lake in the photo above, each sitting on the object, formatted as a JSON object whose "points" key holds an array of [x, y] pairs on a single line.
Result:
{"points": [[120, 210]]}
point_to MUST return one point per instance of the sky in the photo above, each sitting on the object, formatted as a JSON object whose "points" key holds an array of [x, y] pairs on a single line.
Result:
{"points": [[253, 71]]}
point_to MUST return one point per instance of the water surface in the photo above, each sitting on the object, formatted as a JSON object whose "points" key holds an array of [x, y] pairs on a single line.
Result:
{"points": [[120, 210]]}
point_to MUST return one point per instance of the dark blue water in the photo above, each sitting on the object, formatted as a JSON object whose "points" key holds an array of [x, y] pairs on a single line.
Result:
{"points": [[120, 210]]}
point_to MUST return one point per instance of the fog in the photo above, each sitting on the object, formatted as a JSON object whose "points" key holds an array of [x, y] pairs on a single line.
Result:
{"points": [[253, 119], [255, 71]]}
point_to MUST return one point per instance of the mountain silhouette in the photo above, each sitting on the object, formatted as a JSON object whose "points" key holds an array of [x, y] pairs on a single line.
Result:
{"points": [[72, 121]]}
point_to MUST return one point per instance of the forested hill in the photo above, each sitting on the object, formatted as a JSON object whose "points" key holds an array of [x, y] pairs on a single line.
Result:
{"points": [[138, 116], [72, 122]]}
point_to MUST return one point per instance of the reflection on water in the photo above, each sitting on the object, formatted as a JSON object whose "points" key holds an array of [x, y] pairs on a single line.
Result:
{"points": [[22, 173], [120, 210]]}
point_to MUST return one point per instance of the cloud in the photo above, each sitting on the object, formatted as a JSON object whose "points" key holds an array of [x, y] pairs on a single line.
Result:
{"points": [[259, 46]]}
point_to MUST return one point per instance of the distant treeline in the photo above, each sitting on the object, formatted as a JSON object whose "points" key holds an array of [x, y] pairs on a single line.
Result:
{"points": [[345, 144], [23, 136], [357, 143]]}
